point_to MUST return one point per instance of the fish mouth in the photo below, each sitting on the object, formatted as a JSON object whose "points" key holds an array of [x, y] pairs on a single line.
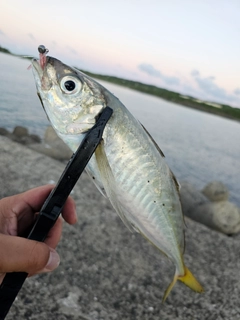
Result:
{"points": [[40, 73], [36, 66], [40, 65], [37, 72]]}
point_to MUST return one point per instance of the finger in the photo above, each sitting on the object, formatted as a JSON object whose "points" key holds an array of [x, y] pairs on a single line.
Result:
{"points": [[69, 211], [54, 234], [19, 254], [36, 197], [21, 208]]}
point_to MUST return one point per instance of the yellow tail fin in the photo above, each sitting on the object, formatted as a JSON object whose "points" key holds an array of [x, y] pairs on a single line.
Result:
{"points": [[188, 279], [169, 288]]}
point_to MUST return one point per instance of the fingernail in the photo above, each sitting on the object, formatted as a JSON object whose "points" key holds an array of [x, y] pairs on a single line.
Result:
{"points": [[53, 261]]}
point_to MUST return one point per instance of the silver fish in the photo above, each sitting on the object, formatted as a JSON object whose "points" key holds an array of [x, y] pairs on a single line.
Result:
{"points": [[128, 167]]}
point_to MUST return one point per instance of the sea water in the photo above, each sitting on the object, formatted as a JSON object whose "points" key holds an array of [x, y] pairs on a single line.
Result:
{"points": [[199, 147]]}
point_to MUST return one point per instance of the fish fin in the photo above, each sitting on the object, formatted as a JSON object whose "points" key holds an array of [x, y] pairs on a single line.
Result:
{"points": [[176, 182], [169, 288], [178, 187], [188, 279], [97, 183], [154, 142], [109, 184]]}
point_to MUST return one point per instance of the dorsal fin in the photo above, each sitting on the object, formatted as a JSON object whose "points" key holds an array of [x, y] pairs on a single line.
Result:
{"points": [[155, 143], [177, 184]]}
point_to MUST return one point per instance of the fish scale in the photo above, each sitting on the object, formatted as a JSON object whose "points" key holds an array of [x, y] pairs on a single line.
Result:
{"points": [[134, 166], [128, 167]]}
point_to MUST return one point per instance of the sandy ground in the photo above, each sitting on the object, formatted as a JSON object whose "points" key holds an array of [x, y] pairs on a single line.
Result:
{"points": [[106, 272]]}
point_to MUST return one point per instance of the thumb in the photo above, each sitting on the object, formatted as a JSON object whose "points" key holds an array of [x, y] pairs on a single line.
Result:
{"points": [[20, 254]]}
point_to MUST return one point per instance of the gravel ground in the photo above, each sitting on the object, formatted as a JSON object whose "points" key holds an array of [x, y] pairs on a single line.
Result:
{"points": [[109, 273]]}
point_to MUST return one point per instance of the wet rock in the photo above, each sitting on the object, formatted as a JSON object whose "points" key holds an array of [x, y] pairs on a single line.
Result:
{"points": [[216, 191]]}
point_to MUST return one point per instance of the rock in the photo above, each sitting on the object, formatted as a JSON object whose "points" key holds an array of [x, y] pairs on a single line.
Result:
{"points": [[216, 191], [191, 198], [227, 217], [55, 147], [59, 153], [20, 131], [26, 140], [50, 135], [35, 138], [222, 216], [4, 132], [21, 135]]}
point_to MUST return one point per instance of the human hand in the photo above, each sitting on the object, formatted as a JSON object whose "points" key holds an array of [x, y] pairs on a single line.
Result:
{"points": [[17, 214]]}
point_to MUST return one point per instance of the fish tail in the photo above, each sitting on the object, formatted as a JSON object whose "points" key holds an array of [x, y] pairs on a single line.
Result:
{"points": [[188, 279], [169, 288]]}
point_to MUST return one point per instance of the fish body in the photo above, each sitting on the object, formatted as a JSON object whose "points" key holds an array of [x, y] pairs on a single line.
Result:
{"points": [[127, 167]]}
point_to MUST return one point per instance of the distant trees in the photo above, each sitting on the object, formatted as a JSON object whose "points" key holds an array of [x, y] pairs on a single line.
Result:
{"points": [[4, 50], [224, 110]]}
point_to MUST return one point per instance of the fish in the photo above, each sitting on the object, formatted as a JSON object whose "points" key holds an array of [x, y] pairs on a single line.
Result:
{"points": [[128, 167]]}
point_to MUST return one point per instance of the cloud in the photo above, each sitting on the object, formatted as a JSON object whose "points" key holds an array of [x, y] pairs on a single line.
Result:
{"points": [[195, 73], [2, 33], [207, 85], [212, 91], [149, 69], [31, 36], [210, 87], [237, 91], [152, 71]]}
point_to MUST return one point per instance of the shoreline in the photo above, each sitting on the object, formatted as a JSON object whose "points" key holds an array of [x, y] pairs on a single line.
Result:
{"points": [[222, 110]]}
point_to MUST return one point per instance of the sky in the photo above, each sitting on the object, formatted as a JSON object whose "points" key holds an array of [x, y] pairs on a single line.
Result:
{"points": [[188, 46]]}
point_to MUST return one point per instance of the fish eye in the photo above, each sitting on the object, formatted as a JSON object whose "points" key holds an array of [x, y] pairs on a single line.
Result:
{"points": [[70, 85]]}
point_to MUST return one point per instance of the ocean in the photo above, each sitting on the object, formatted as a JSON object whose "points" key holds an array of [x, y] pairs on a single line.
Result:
{"points": [[199, 147]]}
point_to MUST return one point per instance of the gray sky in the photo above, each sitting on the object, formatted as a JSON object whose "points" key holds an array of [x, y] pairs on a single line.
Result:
{"points": [[187, 46]]}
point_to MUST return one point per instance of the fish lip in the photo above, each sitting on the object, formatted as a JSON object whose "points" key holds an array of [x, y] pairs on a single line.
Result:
{"points": [[37, 67]]}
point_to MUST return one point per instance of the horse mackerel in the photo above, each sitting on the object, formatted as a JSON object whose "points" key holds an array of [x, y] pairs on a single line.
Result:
{"points": [[128, 167]]}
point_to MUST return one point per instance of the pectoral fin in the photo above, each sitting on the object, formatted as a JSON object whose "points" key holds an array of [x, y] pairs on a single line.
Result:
{"points": [[109, 183]]}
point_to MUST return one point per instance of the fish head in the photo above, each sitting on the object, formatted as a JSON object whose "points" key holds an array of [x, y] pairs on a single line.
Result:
{"points": [[71, 99]]}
